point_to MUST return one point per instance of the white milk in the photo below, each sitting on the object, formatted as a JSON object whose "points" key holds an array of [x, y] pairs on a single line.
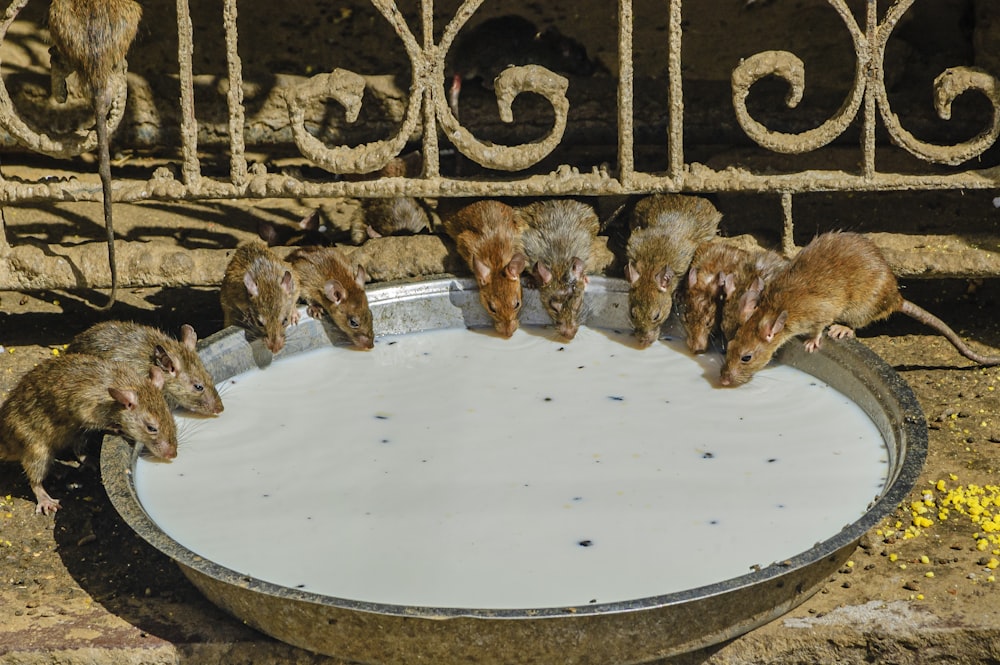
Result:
{"points": [[454, 468]]}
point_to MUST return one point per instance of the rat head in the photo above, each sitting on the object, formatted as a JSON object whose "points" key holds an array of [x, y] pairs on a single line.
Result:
{"points": [[650, 298], [347, 306], [271, 306], [562, 295], [753, 346], [565, 53], [500, 291], [701, 307], [144, 416], [188, 384]]}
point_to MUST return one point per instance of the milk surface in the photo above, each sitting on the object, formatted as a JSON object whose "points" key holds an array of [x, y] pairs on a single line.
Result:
{"points": [[454, 468]]}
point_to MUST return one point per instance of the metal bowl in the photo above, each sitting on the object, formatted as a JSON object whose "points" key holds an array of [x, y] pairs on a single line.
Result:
{"points": [[634, 631]]}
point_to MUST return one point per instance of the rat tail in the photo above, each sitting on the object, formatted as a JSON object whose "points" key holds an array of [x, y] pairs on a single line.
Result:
{"points": [[101, 109], [925, 317]]}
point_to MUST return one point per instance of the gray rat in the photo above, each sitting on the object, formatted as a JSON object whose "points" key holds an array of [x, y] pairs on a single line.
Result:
{"points": [[307, 231], [485, 50], [259, 293], [702, 295], [840, 280], [91, 37], [393, 215], [187, 383], [488, 238], [62, 398], [665, 231], [329, 284], [557, 239]]}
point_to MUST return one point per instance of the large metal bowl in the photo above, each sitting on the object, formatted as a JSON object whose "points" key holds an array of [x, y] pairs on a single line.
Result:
{"points": [[634, 631]]}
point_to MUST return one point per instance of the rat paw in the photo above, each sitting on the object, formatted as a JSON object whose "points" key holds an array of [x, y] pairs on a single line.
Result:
{"points": [[837, 331], [814, 343], [47, 506]]}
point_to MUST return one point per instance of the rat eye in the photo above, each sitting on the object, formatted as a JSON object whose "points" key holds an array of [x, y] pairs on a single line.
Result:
{"points": [[747, 358], [353, 322], [260, 319], [517, 305], [657, 315], [493, 310], [152, 428], [198, 387]]}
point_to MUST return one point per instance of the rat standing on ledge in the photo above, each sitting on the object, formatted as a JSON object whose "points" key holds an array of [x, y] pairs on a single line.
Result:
{"points": [[557, 238], [840, 280], [91, 37], [259, 293], [666, 230], [64, 397], [488, 238]]}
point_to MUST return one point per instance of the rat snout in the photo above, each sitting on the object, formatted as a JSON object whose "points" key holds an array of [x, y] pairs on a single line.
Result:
{"points": [[646, 338], [163, 448], [506, 328], [275, 343], [364, 342], [568, 330], [698, 343]]}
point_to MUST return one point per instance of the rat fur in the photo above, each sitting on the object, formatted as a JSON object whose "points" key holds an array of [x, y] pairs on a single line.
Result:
{"points": [[330, 285]]}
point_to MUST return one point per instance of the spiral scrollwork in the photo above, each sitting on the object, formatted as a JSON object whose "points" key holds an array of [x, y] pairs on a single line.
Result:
{"points": [[948, 86], [789, 67], [60, 146]]}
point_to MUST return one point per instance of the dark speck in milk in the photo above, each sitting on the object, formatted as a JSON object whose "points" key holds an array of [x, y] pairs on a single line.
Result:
{"points": [[561, 348], [616, 398], [772, 460], [713, 522], [381, 416], [387, 441], [707, 455], [585, 543], [547, 399], [391, 343], [579, 366]]}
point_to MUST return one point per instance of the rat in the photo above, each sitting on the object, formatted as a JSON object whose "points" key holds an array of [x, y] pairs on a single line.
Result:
{"points": [[64, 397], [703, 294], [393, 215], [741, 287], [91, 37], [187, 383], [557, 239], [488, 238], [840, 280], [487, 49], [665, 231], [259, 293], [329, 284], [306, 232]]}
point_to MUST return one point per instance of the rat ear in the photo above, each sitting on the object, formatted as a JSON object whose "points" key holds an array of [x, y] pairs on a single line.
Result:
{"points": [[663, 279], [631, 274], [693, 276], [360, 277], [481, 271], [164, 361], [728, 282], [516, 266], [157, 377], [251, 285], [126, 398], [189, 337], [334, 291], [268, 232], [288, 282], [542, 273], [578, 268], [768, 331], [310, 222]]}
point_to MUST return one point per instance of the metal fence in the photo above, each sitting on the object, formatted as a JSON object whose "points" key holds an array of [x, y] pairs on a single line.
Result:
{"points": [[428, 115]]}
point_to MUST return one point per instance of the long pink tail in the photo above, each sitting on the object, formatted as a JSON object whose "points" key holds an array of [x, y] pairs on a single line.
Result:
{"points": [[925, 317]]}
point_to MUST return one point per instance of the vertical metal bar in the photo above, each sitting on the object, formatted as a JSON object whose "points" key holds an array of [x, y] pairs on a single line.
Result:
{"points": [[626, 85], [675, 97], [868, 130], [432, 156], [788, 232], [234, 98], [191, 169]]}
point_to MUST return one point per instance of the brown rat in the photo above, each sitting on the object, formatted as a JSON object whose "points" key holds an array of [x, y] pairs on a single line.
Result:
{"points": [[259, 293], [665, 231], [741, 287], [488, 238], [557, 239], [62, 398], [187, 383], [702, 296], [330, 284], [840, 280], [91, 37], [394, 215]]}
